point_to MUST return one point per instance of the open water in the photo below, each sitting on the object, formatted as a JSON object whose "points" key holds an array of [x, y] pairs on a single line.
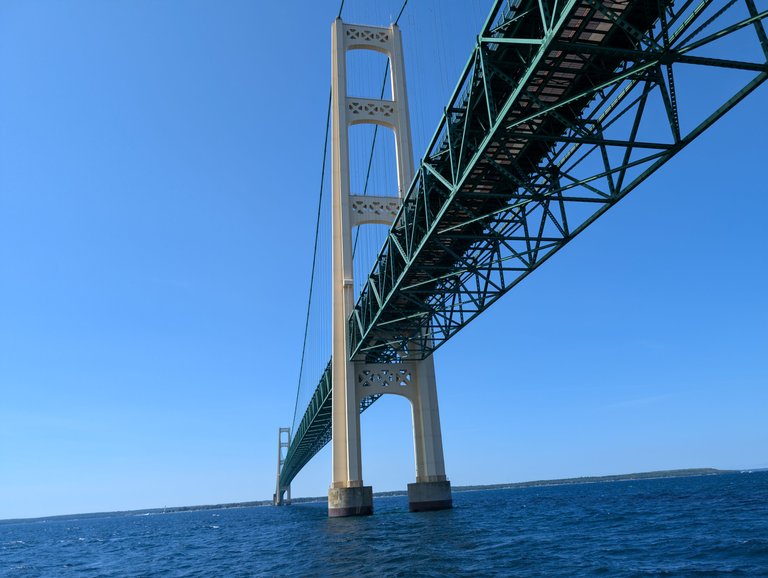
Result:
{"points": [[696, 526]]}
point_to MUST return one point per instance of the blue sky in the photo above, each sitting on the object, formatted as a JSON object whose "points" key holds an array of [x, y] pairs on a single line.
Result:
{"points": [[159, 169]]}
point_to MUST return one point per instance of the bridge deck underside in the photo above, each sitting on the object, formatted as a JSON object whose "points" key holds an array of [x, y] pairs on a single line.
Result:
{"points": [[459, 186], [539, 140], [505, 183]]}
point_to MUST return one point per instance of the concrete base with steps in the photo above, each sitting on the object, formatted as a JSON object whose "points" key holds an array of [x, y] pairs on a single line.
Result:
{"points": [[426, 496], [350, 501]]}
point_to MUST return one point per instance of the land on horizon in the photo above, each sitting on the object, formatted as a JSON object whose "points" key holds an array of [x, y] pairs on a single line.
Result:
{"points": [[688, 472]]}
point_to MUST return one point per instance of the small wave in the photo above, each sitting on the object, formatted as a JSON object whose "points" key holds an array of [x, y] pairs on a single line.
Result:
{"points": [[697, 527]]}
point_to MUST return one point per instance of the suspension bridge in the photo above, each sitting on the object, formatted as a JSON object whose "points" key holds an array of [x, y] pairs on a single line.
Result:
{"points": [[564, 107]]}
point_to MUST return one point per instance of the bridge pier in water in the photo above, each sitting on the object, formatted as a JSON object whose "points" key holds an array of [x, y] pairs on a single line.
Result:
{"points": [[546, 131], [355, 380], [283, 443]]}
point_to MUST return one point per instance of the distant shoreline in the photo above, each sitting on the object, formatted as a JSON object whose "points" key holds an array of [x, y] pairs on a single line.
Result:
{"points": [[691, 472], [682, 473]]}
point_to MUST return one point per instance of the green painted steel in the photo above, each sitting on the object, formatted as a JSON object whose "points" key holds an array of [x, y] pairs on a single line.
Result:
{"points": [[314, 430], [563, 108], [540, 138]]}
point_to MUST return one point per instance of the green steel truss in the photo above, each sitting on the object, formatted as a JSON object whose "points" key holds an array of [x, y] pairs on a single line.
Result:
{"points": [[547, 129], [544, 133], [314, 430]]}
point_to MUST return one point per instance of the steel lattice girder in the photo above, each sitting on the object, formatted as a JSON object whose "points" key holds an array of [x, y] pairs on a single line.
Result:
{"points": [[314, 430], [522, 162], [539, 140]]}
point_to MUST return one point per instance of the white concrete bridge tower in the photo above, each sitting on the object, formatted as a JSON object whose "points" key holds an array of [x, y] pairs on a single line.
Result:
{"points": [[354, 380]]}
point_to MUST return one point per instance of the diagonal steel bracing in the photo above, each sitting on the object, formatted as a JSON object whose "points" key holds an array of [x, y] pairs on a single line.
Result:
{"points": [[540, 138], [547, 129]]}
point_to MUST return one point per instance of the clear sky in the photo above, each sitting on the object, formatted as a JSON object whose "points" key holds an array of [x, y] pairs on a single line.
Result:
{"points": [[159, 170]]}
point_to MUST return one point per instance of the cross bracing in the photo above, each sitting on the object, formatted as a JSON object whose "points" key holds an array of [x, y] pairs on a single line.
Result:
{"points": [[540, 139], [314, 429], [562, 110], [313, 432]]}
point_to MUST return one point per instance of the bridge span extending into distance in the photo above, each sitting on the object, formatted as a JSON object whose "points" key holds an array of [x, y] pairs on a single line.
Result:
{"points": [[563, 108]]}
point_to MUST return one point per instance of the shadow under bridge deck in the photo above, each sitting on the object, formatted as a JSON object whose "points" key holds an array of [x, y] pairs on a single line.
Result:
{"points": [[538, 141]]}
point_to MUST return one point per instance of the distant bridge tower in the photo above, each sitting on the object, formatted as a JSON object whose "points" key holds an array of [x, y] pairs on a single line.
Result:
{"points": [[283, 443], [354, 380]]}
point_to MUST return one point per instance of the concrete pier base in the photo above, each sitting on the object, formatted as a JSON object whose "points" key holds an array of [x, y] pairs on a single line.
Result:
{"points": [[350, 502], [427, 496], [281, 501]]}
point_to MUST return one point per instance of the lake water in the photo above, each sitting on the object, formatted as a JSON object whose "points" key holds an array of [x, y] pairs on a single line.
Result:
{"points": [[697, 526]]}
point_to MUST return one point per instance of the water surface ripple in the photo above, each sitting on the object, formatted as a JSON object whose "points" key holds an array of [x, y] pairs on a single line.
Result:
{"points": [[697, 526]]}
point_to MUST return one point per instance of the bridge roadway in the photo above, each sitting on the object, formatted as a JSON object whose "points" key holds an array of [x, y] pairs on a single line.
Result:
{"points": [[538, 141]]}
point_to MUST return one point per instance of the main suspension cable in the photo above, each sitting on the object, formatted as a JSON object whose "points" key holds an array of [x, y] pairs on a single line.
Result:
{"points": [[370, 157], [314, 253], [319, 207], [375, 128]]}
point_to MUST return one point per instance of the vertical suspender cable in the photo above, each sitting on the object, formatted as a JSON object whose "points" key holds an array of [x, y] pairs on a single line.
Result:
{"points": [[376, 128], [319, 207], [370, 157], [314, 252], [314, 256]]}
